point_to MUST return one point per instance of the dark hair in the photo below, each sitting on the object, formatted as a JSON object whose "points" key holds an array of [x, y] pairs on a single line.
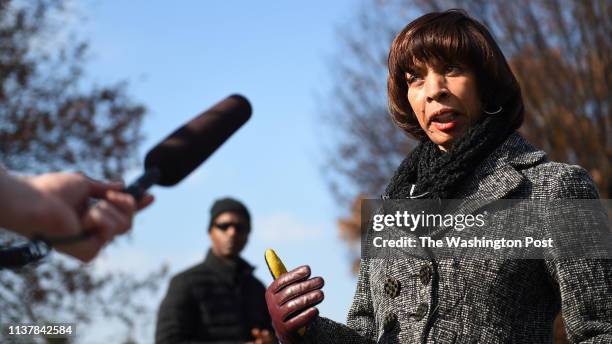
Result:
{"points": [[451, 37]]}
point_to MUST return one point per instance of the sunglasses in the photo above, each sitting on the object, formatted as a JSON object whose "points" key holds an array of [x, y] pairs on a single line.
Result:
{"points": [[240, 227]]}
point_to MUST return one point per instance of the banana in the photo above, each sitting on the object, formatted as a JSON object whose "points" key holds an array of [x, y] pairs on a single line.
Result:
{"points": [[277, 268]]}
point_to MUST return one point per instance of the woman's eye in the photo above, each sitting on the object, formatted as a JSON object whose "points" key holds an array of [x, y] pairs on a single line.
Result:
{"points": [[411, 79], [452, 68]]}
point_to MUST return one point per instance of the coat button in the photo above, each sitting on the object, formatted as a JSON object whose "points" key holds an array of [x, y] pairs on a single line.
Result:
{"points": [[392, 287], [420, 311], [425, 274], [390, 321]]}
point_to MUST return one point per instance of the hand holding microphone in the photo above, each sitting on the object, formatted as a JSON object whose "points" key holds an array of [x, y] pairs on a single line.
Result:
{"points": [[56, 204], [82, 231]]}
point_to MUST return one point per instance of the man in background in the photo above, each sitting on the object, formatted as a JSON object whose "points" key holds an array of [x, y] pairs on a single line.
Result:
{"points": [[218, 300]]}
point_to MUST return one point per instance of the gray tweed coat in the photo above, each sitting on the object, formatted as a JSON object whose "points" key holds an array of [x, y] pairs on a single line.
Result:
{"points": [[485, 301]]}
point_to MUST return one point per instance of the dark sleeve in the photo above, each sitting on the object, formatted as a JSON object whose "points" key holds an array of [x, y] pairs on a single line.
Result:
{"points": [[256, 309], [267, 319], [585, 284]]}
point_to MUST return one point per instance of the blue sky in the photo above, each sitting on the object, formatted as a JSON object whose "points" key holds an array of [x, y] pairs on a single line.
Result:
{"points": [[181, 59]]}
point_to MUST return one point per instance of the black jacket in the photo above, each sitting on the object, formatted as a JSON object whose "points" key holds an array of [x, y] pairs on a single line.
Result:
{"points": [[212, 302]]}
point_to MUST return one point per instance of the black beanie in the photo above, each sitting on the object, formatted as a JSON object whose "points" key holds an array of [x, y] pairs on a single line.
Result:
{"points": [[228, 204]]}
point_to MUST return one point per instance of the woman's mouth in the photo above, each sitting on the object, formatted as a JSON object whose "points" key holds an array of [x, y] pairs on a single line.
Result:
{"points": [[445, 121]]}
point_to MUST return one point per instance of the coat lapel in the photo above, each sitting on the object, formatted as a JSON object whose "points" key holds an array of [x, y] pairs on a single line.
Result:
{"points": [[499, 175], [496, 177]]}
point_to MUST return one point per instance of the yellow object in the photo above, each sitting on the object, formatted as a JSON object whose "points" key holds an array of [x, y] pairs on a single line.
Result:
{"points": [[277, 268], [275, 265]]}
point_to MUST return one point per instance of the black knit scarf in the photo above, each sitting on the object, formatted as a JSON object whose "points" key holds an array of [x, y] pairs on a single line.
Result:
{"points": [[440, 173]]}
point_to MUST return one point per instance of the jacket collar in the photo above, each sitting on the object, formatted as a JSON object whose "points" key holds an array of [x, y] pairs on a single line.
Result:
{"points": [[515, 151], [229, 268], [498, 175]]}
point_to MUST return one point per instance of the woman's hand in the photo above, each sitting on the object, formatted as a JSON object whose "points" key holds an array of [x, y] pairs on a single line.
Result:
{"points": [[291, 299]]}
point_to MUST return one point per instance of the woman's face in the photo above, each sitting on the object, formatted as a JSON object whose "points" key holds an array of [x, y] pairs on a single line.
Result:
{"points": [[445, 99]]}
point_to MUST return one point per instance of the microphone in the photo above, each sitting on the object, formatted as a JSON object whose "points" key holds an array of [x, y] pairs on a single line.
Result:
{"points": [[186, 148], [166, 164]]}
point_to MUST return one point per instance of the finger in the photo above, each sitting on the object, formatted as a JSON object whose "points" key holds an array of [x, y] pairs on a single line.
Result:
{"points": [[104, 220], [98, 226], [302, 319], [298, 274], [123, 222], [128, 203], [146, 200], [122, 201], [300, 303], [98, 188], [294, 290]]}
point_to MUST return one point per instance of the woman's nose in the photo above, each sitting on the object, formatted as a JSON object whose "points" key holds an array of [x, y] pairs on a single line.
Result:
{"points": [[435, 87]]}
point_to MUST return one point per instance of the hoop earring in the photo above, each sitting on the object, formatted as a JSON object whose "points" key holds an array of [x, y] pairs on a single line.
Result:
{"points": [[493, 112]]}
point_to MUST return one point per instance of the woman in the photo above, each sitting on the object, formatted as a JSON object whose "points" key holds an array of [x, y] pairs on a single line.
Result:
{"points": [[450, 86]]}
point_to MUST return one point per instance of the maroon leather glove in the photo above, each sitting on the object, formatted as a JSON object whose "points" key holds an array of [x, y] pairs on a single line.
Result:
{"points": [[291, 299]]}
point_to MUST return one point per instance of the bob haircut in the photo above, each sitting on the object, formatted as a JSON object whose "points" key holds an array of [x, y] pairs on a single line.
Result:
{"points": [[451, 37]]}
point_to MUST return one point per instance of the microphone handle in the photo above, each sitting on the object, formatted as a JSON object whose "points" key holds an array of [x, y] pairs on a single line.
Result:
{"points": [[140, 186]]}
